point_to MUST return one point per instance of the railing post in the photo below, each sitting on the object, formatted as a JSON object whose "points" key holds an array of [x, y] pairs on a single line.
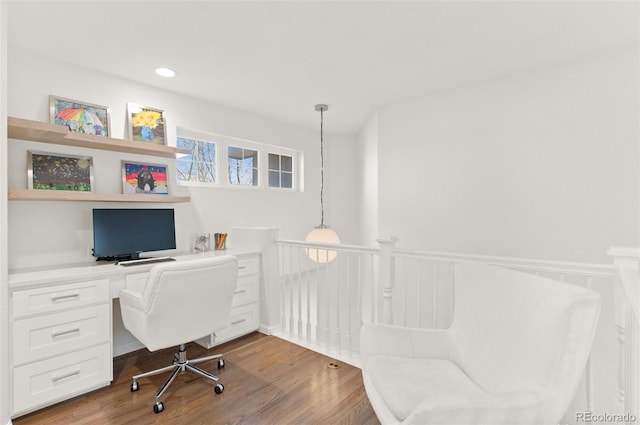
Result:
{"points": [[626, 306], [387, 271]]}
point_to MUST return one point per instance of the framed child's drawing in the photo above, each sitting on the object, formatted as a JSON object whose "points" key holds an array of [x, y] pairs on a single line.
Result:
{"points": [[52, 171], [146, 124], [144, 178], [79, 116]]}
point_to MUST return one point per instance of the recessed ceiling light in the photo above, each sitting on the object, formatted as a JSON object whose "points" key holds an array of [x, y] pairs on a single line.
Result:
{"points": [[165, 72]]}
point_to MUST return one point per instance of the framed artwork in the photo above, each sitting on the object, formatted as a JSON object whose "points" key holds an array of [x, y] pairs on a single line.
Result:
{"points": [[52, 171], [146, 124], [80, 116], [144, 178]]}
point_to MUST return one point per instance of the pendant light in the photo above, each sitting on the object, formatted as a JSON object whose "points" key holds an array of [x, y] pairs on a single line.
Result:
{"points": [[322, 233]]}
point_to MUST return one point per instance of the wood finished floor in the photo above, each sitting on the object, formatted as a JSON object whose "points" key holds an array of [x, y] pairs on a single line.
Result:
{"points": [[267, 381]]}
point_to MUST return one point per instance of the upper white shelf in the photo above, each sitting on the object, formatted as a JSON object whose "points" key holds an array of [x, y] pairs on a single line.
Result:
{"points": [[23, 129], [36, 131]]}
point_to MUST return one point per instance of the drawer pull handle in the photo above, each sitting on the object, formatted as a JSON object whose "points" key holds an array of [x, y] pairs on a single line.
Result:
{"points": [[70, 331], [242, 267], [65, 297], [240, 291], [237, 322], [65, 376]]}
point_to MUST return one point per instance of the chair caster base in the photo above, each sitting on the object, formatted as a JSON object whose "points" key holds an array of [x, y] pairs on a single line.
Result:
{"points": [[219, 388], [158, 407]]}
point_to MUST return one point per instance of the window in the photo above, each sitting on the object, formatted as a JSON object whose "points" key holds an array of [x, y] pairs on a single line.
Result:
{"points": [[280, 171], [200, 164], [215, 160], [243, 166]]}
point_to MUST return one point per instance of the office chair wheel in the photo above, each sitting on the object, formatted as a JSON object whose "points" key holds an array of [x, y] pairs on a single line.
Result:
{"points": [[219, 389], [220, 364], [134, 387], [158, 407]]}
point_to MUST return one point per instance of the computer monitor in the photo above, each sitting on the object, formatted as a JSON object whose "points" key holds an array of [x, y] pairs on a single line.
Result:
{"points": [[123, 234]]}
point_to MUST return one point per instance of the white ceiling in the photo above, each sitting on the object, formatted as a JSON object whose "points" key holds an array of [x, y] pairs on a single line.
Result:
{"points": [[279, 58]]}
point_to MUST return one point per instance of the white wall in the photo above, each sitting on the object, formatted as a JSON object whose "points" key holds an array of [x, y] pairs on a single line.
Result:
{"points": [[341, 186], [4, 300], [368, 182], [43, 233], [541, 165]]}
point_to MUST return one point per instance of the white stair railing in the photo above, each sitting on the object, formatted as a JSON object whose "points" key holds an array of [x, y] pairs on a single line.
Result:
{"points": [[323, 306]]}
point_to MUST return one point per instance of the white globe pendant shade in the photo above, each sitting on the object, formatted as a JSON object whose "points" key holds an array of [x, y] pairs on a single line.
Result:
{"points": [[322, 234]]}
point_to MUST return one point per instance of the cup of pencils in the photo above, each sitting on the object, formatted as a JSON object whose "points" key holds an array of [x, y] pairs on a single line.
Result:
{"points": [[220, 240]]}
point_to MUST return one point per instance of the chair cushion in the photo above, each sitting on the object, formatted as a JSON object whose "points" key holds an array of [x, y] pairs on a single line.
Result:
{"points": [[404, 383]]}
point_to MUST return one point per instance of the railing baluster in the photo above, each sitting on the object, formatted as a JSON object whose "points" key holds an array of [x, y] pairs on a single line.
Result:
{"points": [[359, 297], [283, 274], [589, 368], [338, 329], [419, 296], [405, 289], [348, 300], [374, 298], [319, 338], [434, 302], [308, 300], [291, 290], [327, 329], [300, 286]]}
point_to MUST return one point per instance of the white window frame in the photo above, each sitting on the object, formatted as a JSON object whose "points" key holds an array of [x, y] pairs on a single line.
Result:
{"points": [[257, 166], [223, 143], [201, 137], [295, 185]]}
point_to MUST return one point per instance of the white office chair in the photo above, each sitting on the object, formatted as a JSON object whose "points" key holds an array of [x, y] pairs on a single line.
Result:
{"points": [[514, 354], [181, 301]]}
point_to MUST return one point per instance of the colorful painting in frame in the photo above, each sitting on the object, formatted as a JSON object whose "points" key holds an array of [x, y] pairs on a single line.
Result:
{"points": [[144, 178], [52, 171], [146, 124], [80, 116]]}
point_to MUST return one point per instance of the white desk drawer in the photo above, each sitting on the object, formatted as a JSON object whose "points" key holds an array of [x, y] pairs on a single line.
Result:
{"points": [[248, 266], [243, 320], [52, 334], [60, 377], [245, 294], [60, 297]]}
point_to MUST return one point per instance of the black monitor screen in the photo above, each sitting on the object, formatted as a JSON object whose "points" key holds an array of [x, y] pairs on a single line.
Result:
{"points": [[120, 234]]}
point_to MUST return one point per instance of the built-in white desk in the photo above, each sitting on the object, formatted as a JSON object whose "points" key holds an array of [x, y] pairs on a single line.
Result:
{"points": [[66, 328]]}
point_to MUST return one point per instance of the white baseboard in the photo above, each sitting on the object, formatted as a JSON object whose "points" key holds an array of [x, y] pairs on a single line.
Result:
{"points": [[268, 330]]}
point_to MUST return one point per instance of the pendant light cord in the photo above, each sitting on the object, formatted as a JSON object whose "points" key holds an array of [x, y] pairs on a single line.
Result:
{"points": [[321, 168]]}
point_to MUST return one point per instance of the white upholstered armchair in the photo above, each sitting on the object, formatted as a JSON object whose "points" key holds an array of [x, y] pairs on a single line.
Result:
{"points": [[514, 354]]}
